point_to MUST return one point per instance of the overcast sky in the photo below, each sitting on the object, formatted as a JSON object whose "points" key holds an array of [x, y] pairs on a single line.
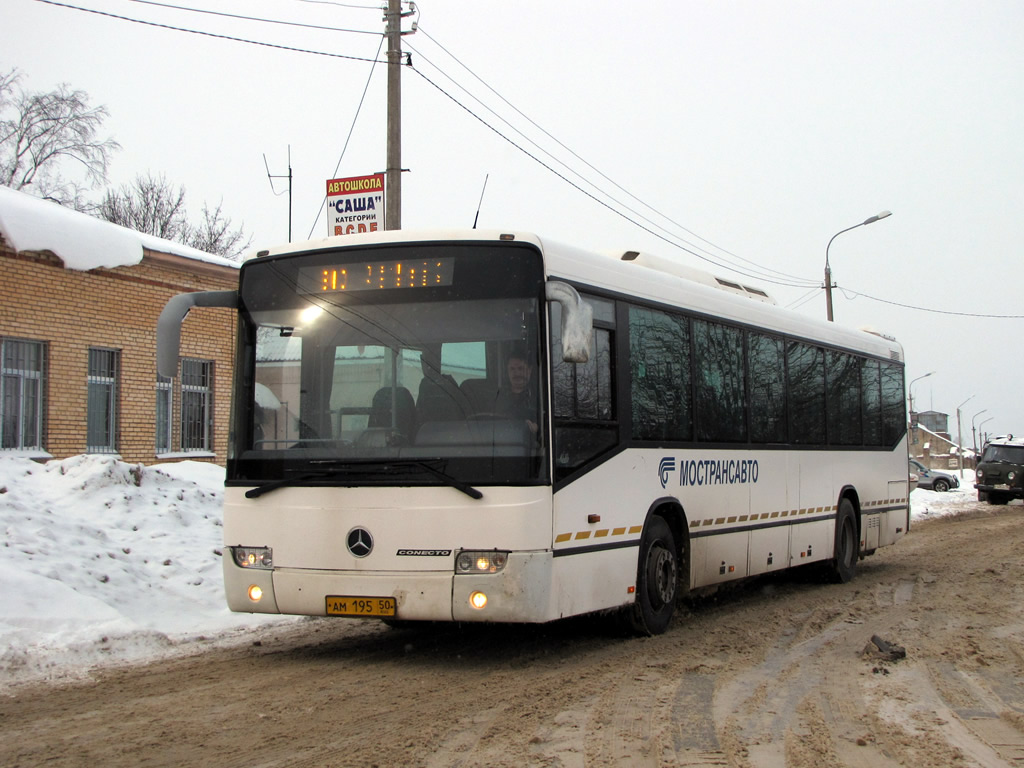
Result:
{"points": [[759, 129]]}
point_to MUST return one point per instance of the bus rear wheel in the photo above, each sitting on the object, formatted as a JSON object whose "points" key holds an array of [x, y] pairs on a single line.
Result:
{"points": [[844, 565], [657, 580]]}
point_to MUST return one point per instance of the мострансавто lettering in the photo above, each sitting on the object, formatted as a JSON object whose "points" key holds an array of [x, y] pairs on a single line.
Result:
{"points": [[718, 471]]}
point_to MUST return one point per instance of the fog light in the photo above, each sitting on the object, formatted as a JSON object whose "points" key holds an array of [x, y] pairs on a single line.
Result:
{"points": [[255, 593], [478, 600]]}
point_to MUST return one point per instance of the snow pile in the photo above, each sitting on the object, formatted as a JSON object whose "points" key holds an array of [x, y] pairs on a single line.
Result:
{"points": [[106, 561], [925, 504]]}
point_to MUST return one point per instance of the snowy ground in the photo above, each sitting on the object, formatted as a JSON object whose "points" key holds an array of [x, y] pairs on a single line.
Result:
{"points": [[106, 562]]}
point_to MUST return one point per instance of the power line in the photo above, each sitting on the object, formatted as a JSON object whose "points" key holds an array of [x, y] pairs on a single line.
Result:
{"points": [[208, 34], [376, 61], [799, 302], [596, 199], [759, 270], [347, 138], [252, 18], [342, 5], [847, 291]]}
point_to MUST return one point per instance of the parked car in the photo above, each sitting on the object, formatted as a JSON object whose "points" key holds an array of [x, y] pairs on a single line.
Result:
{"points": [[1000, 473], [933, 479]]}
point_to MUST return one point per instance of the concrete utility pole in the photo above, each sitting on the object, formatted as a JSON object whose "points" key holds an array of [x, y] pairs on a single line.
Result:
{"points": [[393, 172]]}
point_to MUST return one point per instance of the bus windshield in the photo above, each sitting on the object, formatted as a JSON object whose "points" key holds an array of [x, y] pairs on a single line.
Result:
{"points": [[391, 366]]}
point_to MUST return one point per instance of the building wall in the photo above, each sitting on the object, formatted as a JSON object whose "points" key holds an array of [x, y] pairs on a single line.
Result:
{"points": [[116, 309]]}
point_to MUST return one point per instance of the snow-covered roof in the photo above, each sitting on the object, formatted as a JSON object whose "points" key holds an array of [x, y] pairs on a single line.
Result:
{"points": [[952, 443], [81, 241]]}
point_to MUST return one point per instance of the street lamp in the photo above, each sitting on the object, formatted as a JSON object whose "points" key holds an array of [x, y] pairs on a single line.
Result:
{"points": [[986, 421], [910, 389], [828, 269], [973, 433]]}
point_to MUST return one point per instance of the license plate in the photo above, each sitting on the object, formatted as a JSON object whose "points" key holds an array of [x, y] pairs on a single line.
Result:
{"points": [[360, 606], [1002, 487]]}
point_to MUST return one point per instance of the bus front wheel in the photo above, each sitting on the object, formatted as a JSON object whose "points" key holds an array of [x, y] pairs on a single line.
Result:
{"points": [[844, 566], [657, 581]]}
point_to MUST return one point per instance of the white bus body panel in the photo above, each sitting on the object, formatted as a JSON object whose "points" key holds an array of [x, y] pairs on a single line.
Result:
{"points": [[738, 524]]}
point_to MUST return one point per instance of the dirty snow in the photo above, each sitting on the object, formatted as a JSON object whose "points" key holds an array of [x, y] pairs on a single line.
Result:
{"points": [[107, 562]]}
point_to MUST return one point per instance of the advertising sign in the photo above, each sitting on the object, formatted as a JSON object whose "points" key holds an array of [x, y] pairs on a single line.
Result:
{"points": [[355, 205]]}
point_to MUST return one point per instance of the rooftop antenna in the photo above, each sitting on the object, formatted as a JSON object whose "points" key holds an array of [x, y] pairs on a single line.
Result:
{"points": [[478, 205], [289, 177]]}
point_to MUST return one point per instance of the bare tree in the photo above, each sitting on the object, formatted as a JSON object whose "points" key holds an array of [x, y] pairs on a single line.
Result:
{"points": [[40, 132], [214, 235], [153, 205]]}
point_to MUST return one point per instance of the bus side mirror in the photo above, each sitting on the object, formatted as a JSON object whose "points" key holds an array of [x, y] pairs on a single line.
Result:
{"points": [[168, 326], [577, 321]]}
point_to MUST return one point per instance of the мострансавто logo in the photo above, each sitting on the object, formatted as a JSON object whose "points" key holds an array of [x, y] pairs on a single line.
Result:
{"points": [[708, 471]]}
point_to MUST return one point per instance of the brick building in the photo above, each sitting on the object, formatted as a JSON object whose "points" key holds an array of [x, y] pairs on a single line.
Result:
{"points": [[79, 301]]}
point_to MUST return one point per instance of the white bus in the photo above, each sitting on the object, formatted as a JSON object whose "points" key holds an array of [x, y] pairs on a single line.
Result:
{"points": [[488, 427]]}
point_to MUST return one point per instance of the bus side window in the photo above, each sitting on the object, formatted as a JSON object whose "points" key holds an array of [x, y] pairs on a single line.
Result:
{"points": [[582, 393]]}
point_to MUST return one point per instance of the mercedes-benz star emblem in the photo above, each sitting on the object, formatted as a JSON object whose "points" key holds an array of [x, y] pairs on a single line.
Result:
{"points": [[360, 542]]}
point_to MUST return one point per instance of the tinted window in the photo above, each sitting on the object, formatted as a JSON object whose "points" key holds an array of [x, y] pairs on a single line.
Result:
{"points": [[767, 389], [718, 382], [894, 415], [806, 370], [659, 366], [844, 425], [871, 398]]}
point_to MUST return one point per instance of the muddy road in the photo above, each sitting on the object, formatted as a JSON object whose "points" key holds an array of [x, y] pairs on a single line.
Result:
{"points": [[773, 673]]}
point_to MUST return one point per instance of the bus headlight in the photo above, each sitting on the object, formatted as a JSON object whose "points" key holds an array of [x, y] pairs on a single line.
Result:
{"points": [[478, 600], [1010, 476], [480, 562], [254, 557]]}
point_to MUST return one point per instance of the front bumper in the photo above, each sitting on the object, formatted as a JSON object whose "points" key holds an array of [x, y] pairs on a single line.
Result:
{"points": [[1010, 491], [519, 593]]}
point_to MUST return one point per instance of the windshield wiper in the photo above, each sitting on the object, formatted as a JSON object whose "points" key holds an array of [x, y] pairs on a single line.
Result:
{"points": [[454, 482], [339, 467], [259, 490]]}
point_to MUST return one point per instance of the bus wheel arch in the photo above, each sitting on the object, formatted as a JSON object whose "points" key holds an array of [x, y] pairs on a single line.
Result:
{"points": [[846, 549], [662, 569]]}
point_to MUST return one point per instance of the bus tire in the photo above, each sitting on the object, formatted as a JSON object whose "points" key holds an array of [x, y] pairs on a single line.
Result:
{"points": [[844, 564], [657, 579]]}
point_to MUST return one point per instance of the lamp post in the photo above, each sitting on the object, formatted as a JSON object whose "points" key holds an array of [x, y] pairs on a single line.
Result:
{"points": [[960, 438], [828, 269], [910, 390], [974, 434], [982, 436]]}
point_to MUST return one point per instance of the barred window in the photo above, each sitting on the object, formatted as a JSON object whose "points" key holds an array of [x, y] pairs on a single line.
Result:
{"points": [[22, 394], [196, 405], [102, 414], [163, 414]]}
